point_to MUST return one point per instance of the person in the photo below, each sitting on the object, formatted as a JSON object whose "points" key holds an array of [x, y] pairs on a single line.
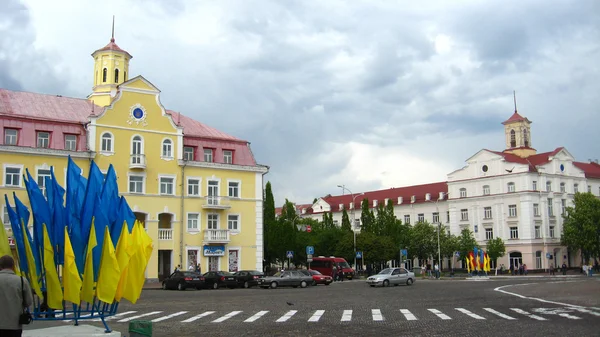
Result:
{"points": [[564, 268], [191, 268], [11, 297], [436, 268], [198, 270], [551, 268], [334, 273], [178, 268]]}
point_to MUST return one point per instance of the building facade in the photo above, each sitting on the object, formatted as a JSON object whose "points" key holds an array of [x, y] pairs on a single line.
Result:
{"points": [[197, 190], [517, 194]]}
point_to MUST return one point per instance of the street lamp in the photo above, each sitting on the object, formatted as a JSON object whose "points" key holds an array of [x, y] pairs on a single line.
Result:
{"points": [[437, 209], [343, 187]]}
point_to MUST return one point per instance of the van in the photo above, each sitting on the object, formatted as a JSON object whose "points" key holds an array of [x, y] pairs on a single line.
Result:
{"points": [[324, 265]]}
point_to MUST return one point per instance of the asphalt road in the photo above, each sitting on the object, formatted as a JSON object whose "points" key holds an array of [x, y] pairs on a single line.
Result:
{"points": [[542, 307]]}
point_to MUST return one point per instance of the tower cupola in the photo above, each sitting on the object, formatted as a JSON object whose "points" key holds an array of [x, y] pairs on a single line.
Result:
{"points": [[517, 130]]}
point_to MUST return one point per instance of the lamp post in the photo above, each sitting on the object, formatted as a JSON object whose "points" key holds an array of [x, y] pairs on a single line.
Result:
{"points": [[437, 209], [343, 187]]}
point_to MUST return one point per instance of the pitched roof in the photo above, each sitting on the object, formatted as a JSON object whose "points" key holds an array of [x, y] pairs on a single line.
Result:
{"points": [[194, 128], [113, 47], [591, 170], [299, 208], [515, 118], [532, 161]]}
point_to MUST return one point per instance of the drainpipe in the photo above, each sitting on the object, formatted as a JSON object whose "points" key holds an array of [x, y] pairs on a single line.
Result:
{"points": [[181, 215], [264, 246]]}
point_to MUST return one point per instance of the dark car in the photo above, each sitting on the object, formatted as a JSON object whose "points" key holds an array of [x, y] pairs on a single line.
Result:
{"points": [[217, 279], [182, 280], [248, 278], [317, 277], [288, 278]]}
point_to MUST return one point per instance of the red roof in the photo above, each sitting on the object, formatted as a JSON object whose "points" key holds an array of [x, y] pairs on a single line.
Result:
{"points": [[299, 208], [113, 47], [193, 128], [516, 118], [592, 170], [532, 161]]}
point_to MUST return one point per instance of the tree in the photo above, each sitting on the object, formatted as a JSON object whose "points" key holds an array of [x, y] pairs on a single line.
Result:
{"points": [[269, 223], [423, 243], [367, 218], [448, 244], [376, 249], [495, 249], [346, 226], [315, 200], [466, 243], [581, 227]]}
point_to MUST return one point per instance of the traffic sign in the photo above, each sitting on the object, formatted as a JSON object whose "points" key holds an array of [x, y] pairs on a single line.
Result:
{"points": [[404, 252], [548, 255], [457, 254], [308, 260], [310, 250], [290, 254], [308, 229], [359, 255]]}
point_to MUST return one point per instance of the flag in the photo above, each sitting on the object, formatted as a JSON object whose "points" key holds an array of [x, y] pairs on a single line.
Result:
{"points": [[41, 213], [125, 250], [100, 221], [76, 186], [53, 288], [17, 230], [125, 214], [87, 289], [109, 273], [92, 192], [58, 215], [71, 279], [136, 267], [33, 272], [4, 245], [23, 220], [468, 265], [110, 196]]}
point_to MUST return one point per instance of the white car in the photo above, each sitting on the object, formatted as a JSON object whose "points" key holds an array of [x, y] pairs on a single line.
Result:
{"points": [[391, 276]]}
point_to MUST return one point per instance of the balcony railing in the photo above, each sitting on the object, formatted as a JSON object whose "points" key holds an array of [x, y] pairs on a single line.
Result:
{"points": [[216, 235], [165, 234], [212, 202], [137, 161]]}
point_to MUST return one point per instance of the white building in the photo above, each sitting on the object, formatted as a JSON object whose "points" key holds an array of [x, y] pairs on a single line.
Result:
{"points": [[517, 194]]}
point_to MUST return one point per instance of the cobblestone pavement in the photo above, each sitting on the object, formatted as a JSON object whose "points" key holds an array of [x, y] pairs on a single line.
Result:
{"points": [[432, 308]]}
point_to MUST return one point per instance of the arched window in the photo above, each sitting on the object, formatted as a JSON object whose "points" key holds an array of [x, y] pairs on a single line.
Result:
{"points": [[137, 150], [116, 75], [463, 192], [167, 148], [104, 74], [107, 142], [525, 138], [486, 189], [511, 187], [513, 139]]}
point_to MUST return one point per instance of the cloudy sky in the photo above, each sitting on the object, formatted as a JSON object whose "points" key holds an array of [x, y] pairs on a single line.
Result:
{"points": [[371, 94]]}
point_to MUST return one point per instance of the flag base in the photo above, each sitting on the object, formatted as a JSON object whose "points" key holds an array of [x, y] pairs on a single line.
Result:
{"points": [[71, 331]]}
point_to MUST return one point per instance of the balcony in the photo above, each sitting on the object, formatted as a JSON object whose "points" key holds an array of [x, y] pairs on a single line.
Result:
{"points": [[216, 203], [137, 161], [216, 236], [165, 234]]}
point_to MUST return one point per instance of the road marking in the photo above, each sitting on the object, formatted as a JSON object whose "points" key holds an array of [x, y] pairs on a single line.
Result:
{"points": [[347, 316], [408, 315], [467, 312], [377, 316], [168, 316], [139, 316], [499, 289], [287, 316], [316, 316], [226, 317], [523, 312], [439, 314], [256, 316], [204, 314], [121, 314], [498, 313], [588, 311]]}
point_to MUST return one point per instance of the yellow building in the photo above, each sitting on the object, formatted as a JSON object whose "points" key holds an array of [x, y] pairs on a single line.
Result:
{"points": [[197, 190]]}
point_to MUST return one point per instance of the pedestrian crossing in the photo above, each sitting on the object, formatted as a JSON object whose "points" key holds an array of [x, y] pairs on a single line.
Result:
{"points": [[375, 315]]}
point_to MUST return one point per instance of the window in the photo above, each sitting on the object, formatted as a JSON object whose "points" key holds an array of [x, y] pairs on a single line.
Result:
{"points": [[43, 139], [167, 148], [188, 153], [228, 156], [563, 189], [536, 210], [194, 187], [575, 188], [589, 189], [538, 260], [551, 234], [166, 185], [463, 192], [136, 184], [208, 155], [512, 211], [421, 217], [563, 206], [548, 186], [514, 232], [234, 189], [513, 139], [486, 190], [447, 216], [487, 212], [436, 217], [104, 75], [116, 75], [535, 185], [192, 222], [538, 232], [12, 176], [511, 187], [70, 142], [107, 142], [464, 214], [5, 217], [233, 222], [137, 150], [525, 138], [11, 136], [213, 221], [407, 219], [489, 233], [550, 207], [41, 179]]}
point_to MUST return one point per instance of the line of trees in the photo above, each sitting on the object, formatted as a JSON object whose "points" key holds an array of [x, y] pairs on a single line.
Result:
{"points": [[581, 227]]}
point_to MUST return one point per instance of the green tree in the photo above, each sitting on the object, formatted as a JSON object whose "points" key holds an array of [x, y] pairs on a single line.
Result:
{"points": [[367, 218], [495, 249], [269, 223], [581, 226], [346, 221], [466, 243], [315, 200], [448, 244], [423, 242], [376, 249]]}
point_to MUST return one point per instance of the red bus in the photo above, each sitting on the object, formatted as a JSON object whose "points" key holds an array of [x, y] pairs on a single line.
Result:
{"points": [[324, 265]]}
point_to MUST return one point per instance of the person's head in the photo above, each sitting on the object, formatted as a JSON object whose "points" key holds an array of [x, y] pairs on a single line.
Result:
{"points": [[7, 262]]}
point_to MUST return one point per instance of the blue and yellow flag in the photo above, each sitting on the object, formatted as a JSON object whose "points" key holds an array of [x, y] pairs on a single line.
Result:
{"points": [[53, 288]]}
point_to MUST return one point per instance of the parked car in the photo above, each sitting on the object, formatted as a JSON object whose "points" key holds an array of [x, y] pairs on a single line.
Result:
{"points": [[317, 277], [248, 278], [391, 276], [289, 278], [325, 265], [217, 279], [182, 280]]}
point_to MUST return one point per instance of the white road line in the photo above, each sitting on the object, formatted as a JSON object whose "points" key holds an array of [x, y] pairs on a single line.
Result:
{"points": [[121, 314], [256, 316], [168, 316], [595, 308], [523, 312], [347, 316], [226, 317], [287, 316], [409, 316], [377, 316], [467, 312], [499, 289], [439, 314], [139, 316], [497, 313], [316, 316], [565, 315], [587, 311], [204, 314]]}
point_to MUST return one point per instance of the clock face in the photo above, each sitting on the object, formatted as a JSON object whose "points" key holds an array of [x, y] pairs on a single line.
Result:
{"points": [[138, 113]]}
